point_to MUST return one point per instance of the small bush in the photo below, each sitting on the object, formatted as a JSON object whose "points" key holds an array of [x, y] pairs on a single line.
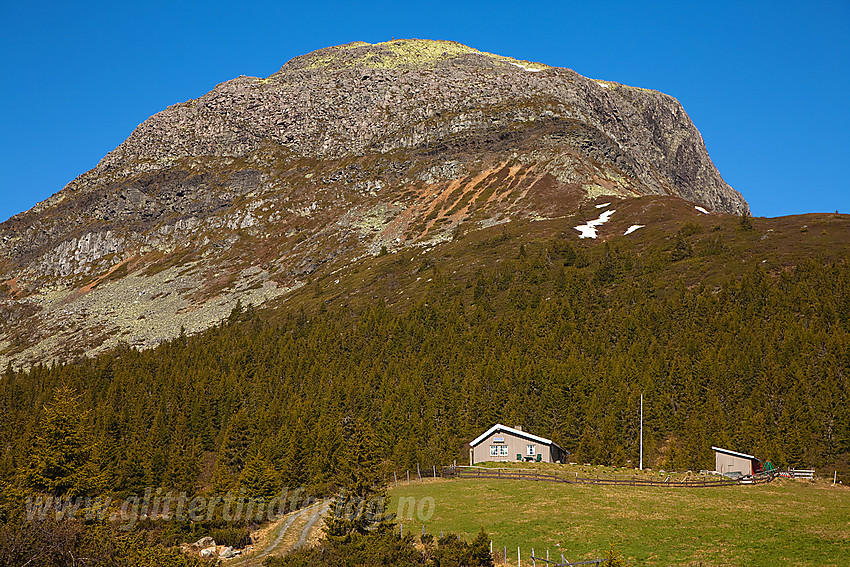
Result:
{"points": [[689, 229], [682, 249], [232, 537]]}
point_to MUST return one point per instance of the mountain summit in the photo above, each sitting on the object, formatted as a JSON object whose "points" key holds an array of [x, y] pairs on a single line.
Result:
{"points": [[360, 98], [260, 184]]}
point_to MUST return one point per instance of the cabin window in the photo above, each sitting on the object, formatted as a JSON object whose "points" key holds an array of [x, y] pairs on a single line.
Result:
{"points": [[503, 450], [531, 452], [494, 450]]}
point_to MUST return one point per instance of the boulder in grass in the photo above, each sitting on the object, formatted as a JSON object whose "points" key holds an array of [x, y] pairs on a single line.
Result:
{"points": [[205, 542]]}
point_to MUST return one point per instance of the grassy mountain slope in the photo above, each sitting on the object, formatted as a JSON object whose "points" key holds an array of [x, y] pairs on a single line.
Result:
{"points": [[736, 333]]}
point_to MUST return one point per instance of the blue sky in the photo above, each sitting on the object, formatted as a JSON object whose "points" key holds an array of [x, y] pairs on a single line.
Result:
{"points": [[765, 82]]}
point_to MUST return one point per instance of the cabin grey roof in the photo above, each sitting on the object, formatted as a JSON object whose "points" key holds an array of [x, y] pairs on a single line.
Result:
{"points": [[517, 432]]}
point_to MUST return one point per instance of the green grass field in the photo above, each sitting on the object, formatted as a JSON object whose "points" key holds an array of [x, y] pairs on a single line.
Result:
{"points": [[781, 523]]}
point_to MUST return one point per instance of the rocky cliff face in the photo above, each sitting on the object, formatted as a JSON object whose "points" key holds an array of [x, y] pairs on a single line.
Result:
{"points": [[344, 152]]}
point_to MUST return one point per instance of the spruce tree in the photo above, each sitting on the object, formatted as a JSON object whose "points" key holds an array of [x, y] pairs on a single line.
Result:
{"points": [[57, 462], [259, 478], [359, 506], [480, 550]]}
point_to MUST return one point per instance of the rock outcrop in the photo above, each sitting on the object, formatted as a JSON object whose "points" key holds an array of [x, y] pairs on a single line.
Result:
{"points": [[246, 191]]}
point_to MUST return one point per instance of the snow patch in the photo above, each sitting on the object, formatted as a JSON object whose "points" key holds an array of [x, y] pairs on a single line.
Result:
{"points": [[700, 209], [602, 206], [632, 228], [603, 85], [588, 230], [524, 67]]}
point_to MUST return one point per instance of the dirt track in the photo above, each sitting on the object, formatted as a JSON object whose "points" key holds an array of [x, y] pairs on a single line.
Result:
{"points": [[294, 530]]}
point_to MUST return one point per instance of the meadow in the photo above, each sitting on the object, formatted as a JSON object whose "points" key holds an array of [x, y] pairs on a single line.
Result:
{"points": [[787, 522]]}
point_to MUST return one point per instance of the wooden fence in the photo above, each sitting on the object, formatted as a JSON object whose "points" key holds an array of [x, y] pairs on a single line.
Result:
{"points": [[563, 562], [421, 472], [535, 475], [501, 557], [455, 471]]}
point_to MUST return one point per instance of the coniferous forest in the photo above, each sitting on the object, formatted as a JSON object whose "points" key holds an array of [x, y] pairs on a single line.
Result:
{"points": [[558, 339]]}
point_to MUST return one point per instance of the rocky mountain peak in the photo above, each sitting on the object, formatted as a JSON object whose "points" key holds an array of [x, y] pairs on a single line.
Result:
{"points": [[357, 98], [401, 54], [260, 184]]}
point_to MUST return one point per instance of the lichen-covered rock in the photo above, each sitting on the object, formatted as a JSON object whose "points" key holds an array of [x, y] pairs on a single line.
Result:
{"points": [[356, 98], [248, 191]]}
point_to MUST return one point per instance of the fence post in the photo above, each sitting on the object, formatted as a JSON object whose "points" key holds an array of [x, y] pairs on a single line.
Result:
{"points": [[408, 477], [435, 470], [395, 476], [418, 473], [423, 529], [518, 559], [506, 554], [491, 547], [533, 560], [400, 529]]}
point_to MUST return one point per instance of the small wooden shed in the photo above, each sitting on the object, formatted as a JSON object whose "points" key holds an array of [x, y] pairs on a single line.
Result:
{"points": [[502, 443], [726, 461]]}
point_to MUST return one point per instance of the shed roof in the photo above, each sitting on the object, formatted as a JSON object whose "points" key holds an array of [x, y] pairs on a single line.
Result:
{"points": [[734, 453], [516, 432]]}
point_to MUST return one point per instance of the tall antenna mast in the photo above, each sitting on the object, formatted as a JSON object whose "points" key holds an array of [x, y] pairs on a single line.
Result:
{"points": [[641, 432]]}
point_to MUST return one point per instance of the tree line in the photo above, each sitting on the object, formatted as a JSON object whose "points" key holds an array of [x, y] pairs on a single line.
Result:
{"points": [[562, 347]]}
